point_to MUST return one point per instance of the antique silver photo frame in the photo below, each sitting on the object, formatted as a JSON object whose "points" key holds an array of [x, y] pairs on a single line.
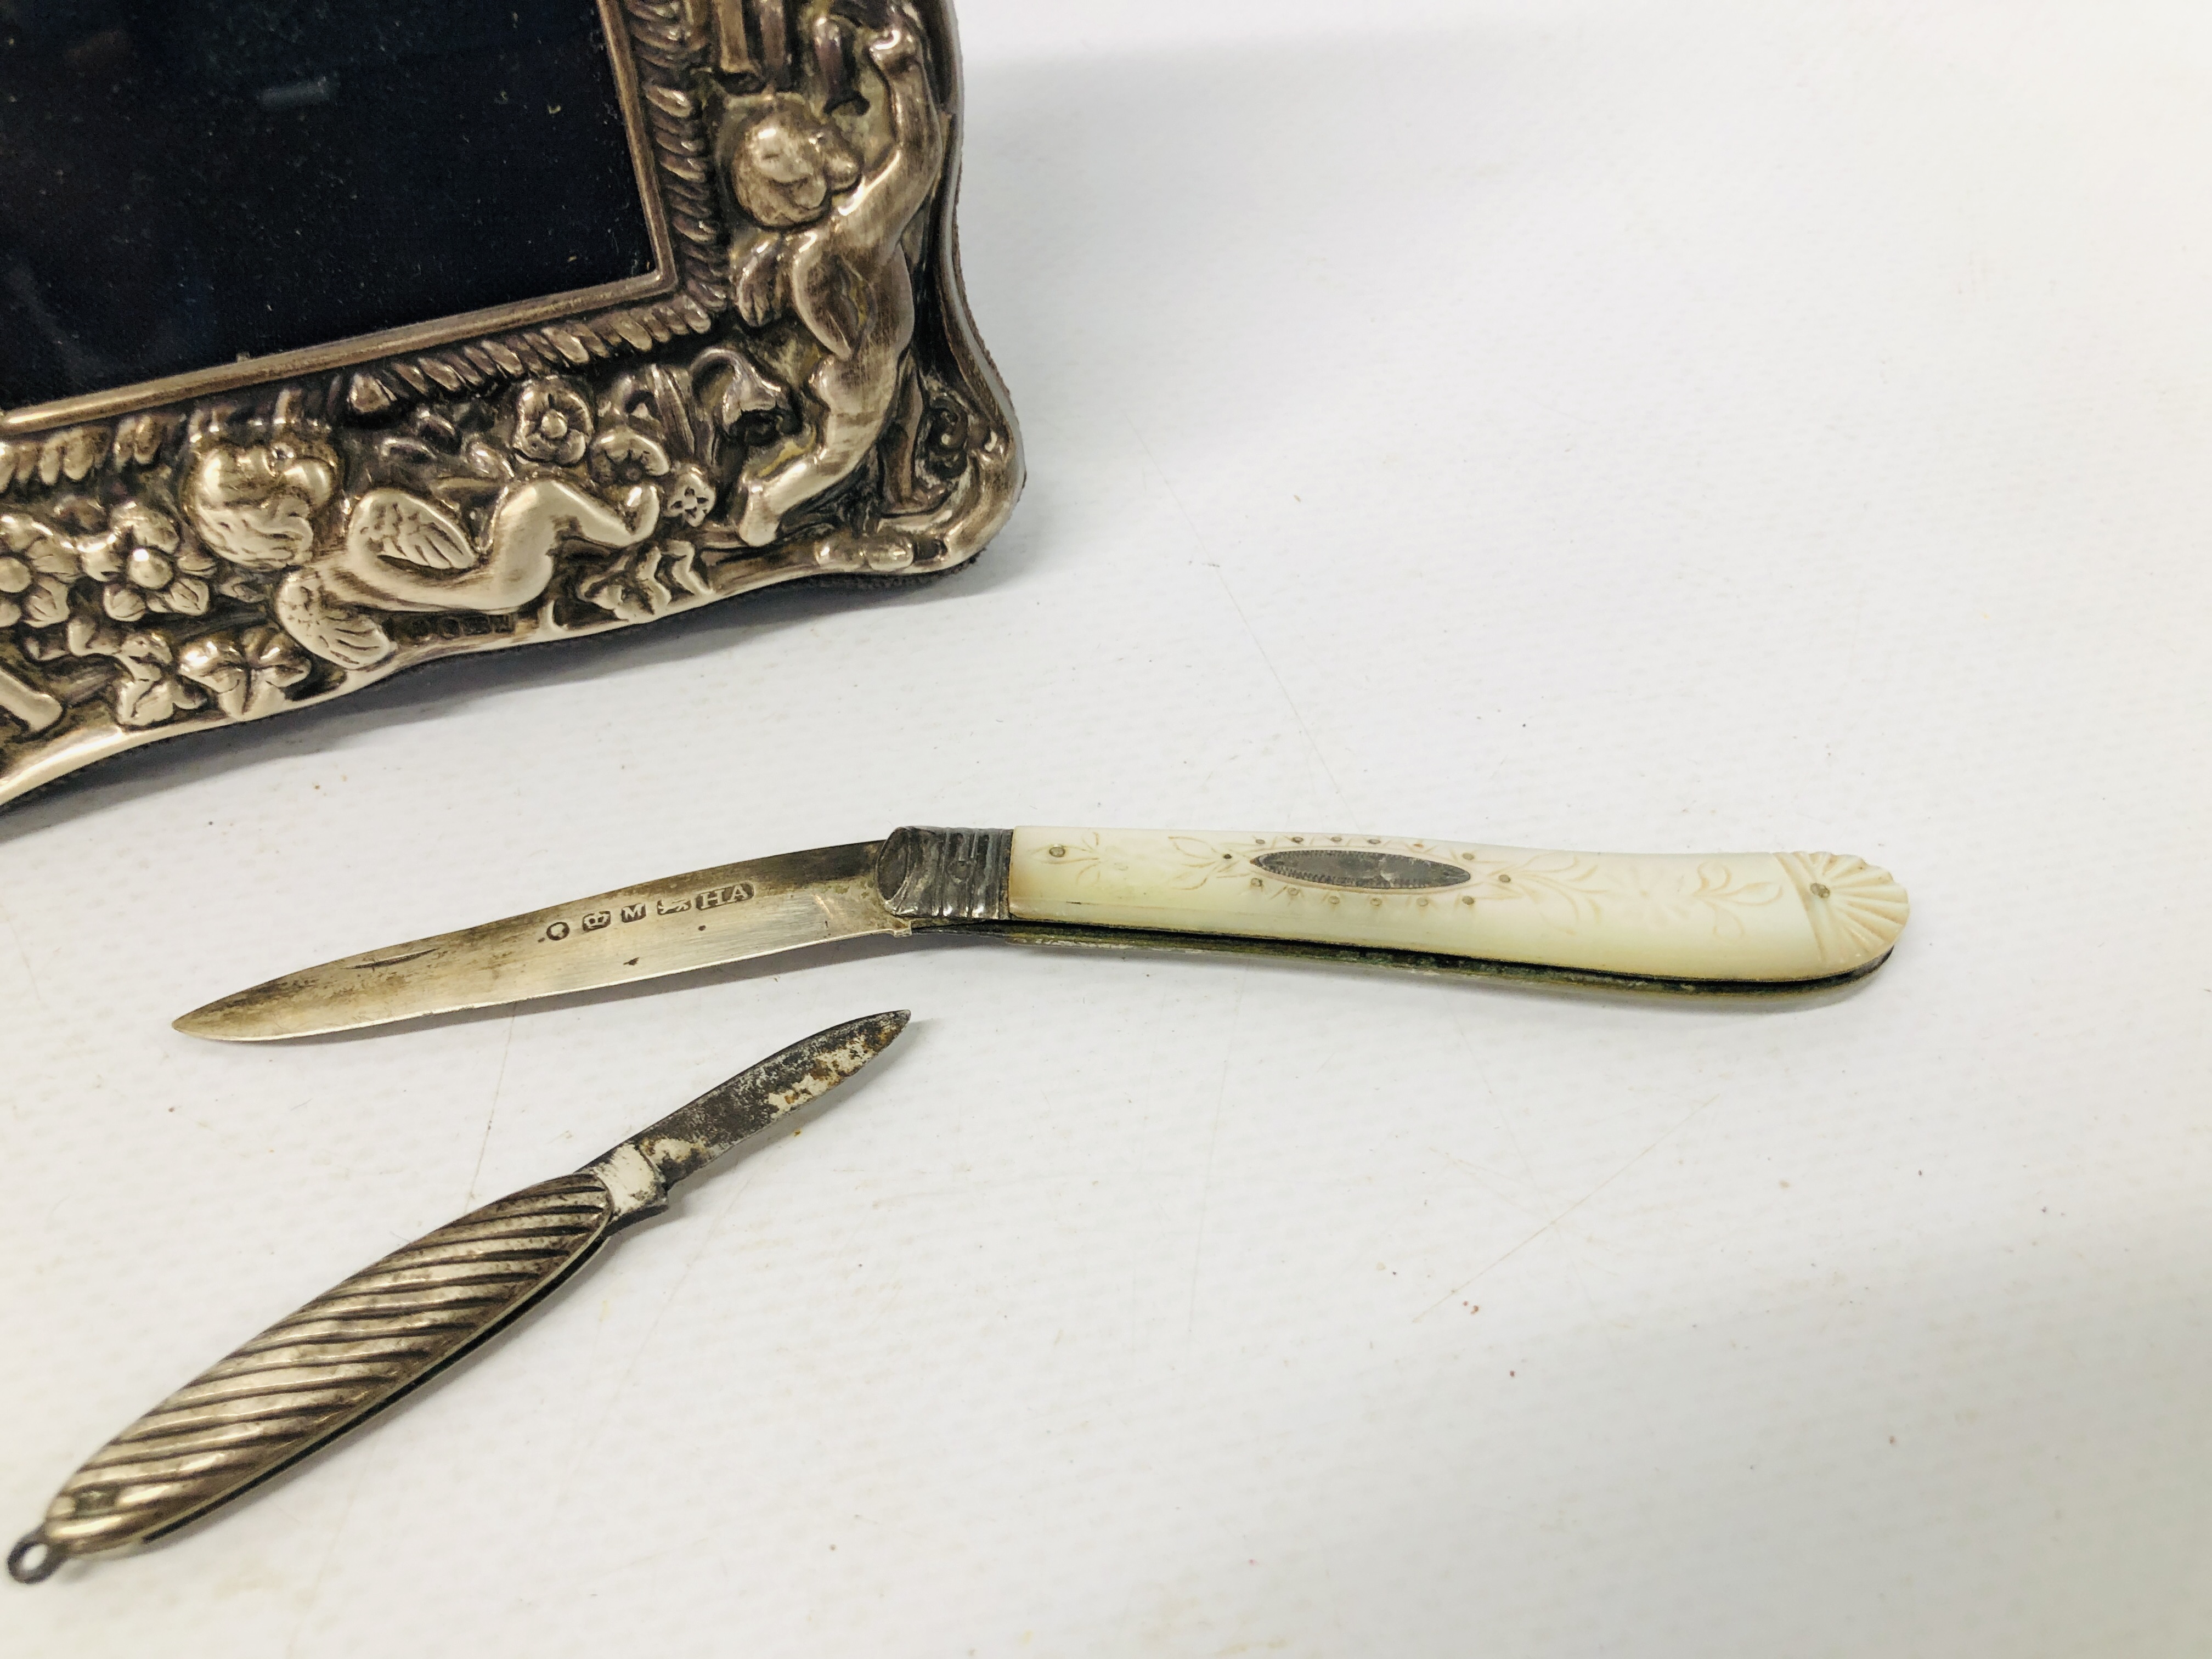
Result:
{"points": [[787, 385]]}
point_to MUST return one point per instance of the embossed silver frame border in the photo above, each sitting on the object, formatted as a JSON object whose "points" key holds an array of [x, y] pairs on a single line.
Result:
{"points": [[660, 44], [651, 163]]}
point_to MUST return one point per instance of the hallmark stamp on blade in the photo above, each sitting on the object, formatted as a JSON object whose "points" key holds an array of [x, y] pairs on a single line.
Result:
{"points": [[736, 892]]}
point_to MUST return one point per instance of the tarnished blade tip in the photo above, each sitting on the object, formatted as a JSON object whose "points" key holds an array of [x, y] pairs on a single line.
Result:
{"points": [[265, 1014], [734, 1111], [874, 1032], [211, 1020], [832, 1055]]}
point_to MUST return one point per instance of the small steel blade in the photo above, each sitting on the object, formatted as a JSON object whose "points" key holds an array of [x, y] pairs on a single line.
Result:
{"points": [[691, 1137], [733, 914]]}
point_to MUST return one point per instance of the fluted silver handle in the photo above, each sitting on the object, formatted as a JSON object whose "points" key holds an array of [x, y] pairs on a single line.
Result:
{"points": [[307, 1379]]}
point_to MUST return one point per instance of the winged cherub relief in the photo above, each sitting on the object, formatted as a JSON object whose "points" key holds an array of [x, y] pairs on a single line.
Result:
{"points": [[831, 254], [267, 506]]}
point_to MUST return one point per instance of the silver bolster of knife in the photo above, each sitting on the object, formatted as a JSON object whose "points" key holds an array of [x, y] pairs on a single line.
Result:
{"points": [[309, 1378], [928, 874]]}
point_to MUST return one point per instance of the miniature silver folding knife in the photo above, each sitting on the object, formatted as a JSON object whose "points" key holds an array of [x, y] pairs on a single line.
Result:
{"points": [[1739, 922], [359, 1346]]}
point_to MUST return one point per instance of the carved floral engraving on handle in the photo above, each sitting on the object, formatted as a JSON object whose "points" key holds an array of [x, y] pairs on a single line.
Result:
{"points": [[1722, 916], [1856, 910]]}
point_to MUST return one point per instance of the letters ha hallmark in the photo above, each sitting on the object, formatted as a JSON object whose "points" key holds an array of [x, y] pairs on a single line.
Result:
{"points": [[790, 387]]}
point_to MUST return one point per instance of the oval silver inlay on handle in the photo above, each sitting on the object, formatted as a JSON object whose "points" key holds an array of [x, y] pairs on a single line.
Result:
{"points": [[1383, 873]]}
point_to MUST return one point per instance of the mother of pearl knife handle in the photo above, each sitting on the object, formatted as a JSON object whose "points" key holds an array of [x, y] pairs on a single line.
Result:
{"points": [[307, 1379], [1745, 918]]}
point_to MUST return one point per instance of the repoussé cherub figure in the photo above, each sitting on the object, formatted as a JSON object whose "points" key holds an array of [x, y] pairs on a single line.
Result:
{"points": [[266, 505], [834, 259]]}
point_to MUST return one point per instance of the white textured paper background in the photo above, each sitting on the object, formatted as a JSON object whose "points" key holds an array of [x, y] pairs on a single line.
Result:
{"points": [[1675, 427]]}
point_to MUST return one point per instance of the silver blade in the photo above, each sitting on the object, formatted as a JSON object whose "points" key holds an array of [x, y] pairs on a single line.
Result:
{"points": [[732, 914], [691, 1137]]}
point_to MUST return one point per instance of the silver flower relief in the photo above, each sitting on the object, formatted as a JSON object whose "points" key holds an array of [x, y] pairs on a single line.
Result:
{"points": [[552, 423]]}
